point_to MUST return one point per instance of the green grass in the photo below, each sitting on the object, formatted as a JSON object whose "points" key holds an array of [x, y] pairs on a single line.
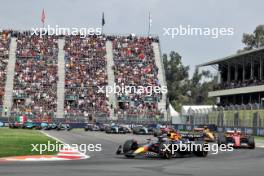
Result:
{"points": [[259, 138], [17, 142]]}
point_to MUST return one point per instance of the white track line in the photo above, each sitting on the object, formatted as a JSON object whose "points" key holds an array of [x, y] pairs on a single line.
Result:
{"points": [[260, 146], [61, 154], [53, 137]]}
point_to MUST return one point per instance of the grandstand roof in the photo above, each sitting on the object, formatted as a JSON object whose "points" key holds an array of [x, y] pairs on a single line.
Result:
{"points": [[217, 61], [187, 109]]}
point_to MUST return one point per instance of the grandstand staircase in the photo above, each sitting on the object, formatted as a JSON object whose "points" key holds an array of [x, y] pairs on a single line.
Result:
{"points": [[161, 77], [10, 72], [111, 78], [61, 81]]}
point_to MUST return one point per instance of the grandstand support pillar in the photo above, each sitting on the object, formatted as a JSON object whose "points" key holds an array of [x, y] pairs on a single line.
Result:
{"points": [[10, 72], [244, 70], [236, 71], [228, 73], [259, 99], [219, 74], [111, 79], [161, 78], [219, 77], [260, 67], [61, 81], [251, 68]]}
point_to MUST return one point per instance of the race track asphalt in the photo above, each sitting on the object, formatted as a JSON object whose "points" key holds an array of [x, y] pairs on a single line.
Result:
{"points": [[240, 162]]}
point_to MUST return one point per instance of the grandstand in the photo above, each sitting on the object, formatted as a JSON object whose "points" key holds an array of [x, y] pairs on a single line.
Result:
{"points": [[58, 76], [4, 55], [240, 90], [35, 80], [134, 65]]}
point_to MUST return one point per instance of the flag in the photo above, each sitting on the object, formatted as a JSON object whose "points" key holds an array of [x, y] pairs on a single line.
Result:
{"points": [[150, 20], [21, 119], [43, 16], [103, 20], [150, 23]]}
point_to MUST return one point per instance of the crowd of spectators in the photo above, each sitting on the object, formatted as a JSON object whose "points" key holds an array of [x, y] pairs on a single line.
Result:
{"points": [[35, 80], [134, 65], [36, 74], [249, 106], [4, 51], [85, 70], [238, 83]]}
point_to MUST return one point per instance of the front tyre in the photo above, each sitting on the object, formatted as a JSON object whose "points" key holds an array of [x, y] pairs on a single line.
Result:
{"points": [[129, 147], [251, 142]]}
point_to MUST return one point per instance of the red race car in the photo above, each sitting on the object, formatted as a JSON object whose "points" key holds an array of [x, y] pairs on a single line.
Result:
{"points": [[237, 138]]}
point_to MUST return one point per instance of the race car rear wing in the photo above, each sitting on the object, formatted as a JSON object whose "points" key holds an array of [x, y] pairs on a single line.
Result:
{"points": [[191, 136]]}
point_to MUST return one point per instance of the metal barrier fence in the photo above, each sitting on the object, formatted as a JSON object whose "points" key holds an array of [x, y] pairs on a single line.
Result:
{"points": [[241, 118], [98, 117], [258, 131]]}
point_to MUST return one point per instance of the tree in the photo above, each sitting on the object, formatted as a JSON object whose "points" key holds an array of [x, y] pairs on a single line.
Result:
{"points": [[181, 89], [200, 88], [254, 40], [176, 75]]}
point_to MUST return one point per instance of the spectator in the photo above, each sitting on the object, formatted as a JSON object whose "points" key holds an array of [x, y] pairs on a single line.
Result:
{"points": [[4, 52], [85, 70], [135, 66], [35, 81]]}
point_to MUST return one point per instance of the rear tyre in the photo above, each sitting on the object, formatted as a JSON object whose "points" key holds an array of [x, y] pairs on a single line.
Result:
{"points": [[157, 133], [164, 154], [201, 152], [142, 131], [135, 132]]}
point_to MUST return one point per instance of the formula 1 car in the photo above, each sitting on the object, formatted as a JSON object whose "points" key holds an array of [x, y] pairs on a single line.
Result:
{"points": [[15, 125], [207, 135], [91, 127], [116, 129], [162, 130], [26, 125], [162, 148], [29, 125], [237, 138], [48, 126], [101, 126], [141, 130], [64, 126]]}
